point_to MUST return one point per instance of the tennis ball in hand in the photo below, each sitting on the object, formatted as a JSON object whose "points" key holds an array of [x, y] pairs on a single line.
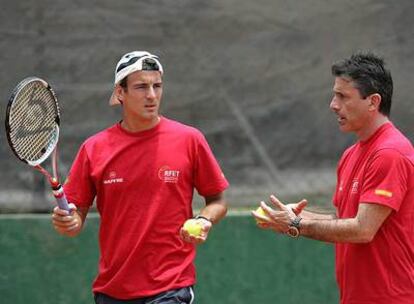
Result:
{"points": [[261, 212], [193, 227]]}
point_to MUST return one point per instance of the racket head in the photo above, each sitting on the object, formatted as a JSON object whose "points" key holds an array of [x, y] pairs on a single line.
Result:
{"points": [[32, 120]]}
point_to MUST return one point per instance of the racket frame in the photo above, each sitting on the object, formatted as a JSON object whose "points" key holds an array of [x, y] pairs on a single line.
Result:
{"points": [[52, 146]]}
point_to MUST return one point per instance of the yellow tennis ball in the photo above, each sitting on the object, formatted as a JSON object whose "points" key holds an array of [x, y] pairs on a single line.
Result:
{"points": [[261, 212], [193, 227]]}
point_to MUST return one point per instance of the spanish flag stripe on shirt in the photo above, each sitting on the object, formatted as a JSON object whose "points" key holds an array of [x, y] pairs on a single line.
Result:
{"points": [[383, 192]]}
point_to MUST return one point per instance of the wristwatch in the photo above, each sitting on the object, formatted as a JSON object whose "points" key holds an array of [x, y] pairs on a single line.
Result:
{"points": [[293, 230]]}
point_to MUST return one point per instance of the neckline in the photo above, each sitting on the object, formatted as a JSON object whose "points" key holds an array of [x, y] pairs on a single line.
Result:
{"points": [[377, 132], [141, 133]]}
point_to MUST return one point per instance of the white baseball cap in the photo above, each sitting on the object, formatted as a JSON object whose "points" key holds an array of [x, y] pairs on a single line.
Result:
{"points": [[132, 62]]}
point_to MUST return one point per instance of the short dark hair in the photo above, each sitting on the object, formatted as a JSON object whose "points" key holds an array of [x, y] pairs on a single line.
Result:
{"points": [[366, 70], [124, 83]]}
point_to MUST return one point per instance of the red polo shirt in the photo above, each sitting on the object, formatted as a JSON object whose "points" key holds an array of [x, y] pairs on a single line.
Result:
{"points": [[143, 183], [379, 171]]}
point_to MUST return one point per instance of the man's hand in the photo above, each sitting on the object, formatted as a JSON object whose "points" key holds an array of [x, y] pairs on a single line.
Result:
{"points": [[280, 218], [67, 222], [298, 207], [205, 228]]}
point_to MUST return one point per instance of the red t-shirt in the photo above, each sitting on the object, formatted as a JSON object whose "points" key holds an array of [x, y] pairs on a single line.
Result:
{"points": [[380, 171], [143, 183]]}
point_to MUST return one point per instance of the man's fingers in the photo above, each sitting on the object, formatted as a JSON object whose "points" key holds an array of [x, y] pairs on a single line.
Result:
{"points": [[269, 212], [62, 218], [184, 234], [187, 237], [62, 212], [73, 226], [64, 224], [300, 206], [264, 225], [262, 213], [278, 204]]}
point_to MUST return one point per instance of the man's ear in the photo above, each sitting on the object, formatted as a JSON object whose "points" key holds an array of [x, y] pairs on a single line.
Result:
{"points": [[375, 102], [119, 93]]}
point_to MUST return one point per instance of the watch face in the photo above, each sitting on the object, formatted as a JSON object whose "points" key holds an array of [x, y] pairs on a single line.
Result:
{"points": [[293, 232]]}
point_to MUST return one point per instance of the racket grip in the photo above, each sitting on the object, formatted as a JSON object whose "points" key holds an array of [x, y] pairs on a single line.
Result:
{"points": [[60, 197]]}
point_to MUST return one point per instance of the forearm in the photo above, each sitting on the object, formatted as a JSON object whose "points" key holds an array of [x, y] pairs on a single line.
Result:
{"points": [[312, 215], [334, 230], [215, 209], [360, 229]]}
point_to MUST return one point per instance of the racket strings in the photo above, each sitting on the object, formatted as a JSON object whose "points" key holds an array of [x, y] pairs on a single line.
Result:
{"points": [[33, 122]]}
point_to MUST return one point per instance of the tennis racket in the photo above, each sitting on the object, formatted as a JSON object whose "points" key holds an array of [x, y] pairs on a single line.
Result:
{"points": [[32, 127]]}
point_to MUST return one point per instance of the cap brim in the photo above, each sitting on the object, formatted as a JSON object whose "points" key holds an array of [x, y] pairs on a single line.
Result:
{"points": [[113, 101]]}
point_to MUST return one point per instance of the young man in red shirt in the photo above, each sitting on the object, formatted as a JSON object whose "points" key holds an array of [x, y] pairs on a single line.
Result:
{"points": [[143, 171], [374, 226]]}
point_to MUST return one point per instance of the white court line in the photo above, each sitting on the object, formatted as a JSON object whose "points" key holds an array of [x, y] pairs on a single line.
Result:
{"points": [[19, 216]]}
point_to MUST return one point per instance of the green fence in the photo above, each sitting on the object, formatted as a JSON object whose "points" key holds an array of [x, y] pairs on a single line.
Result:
{"points": [[239, 264]]}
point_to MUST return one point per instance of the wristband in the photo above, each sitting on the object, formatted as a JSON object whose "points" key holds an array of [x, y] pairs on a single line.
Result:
{"points": [[203, 217]]}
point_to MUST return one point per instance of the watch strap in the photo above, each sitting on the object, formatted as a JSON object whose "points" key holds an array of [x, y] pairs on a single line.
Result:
{"points": [[296, 222], [203, 217]]}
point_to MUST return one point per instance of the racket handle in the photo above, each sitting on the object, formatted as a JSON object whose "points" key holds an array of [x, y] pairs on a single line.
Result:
{"points": [[60, 197]]}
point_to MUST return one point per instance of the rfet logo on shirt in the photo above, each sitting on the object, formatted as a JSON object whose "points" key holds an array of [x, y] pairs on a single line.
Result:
{"points": [[113, 178], [354, 188], [168, 175]]}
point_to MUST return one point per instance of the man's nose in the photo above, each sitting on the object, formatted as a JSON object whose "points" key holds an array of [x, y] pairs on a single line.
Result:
{"points": [[334, 105], [151, 93]]}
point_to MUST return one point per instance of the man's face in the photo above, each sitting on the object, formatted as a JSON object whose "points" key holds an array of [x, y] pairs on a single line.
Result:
{"points": [[142, 97], [351, 109]]}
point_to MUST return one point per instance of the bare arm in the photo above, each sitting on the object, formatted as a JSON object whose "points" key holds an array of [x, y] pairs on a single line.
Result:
{"points": [[213, 212], [360, 229], [69, 223], [215, 209]]}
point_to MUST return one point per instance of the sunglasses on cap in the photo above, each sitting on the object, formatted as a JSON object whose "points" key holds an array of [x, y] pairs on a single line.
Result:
{"points": [[148, 64]]}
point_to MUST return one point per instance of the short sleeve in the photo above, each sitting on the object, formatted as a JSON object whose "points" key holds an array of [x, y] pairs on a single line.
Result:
{"points": [[386, 179], [208, 176], [78, 187]]}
